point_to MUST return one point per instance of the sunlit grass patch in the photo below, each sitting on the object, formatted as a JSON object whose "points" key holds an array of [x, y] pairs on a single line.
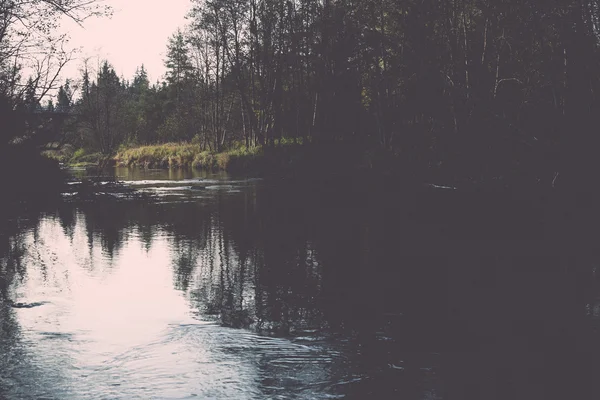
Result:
{"points": [[238, 158], [174, 155]]}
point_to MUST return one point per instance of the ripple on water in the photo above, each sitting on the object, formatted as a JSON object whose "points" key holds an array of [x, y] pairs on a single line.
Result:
{"points": [[118, 328], [188, 360]]}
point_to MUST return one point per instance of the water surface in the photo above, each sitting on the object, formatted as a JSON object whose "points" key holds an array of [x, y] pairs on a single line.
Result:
{"points": [[245, 289]]}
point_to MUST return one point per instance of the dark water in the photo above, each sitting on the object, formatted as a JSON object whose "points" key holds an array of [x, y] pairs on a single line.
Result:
{"points": [[225, 288]]}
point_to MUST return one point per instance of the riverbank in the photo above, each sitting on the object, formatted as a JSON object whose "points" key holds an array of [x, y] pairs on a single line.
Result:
{"points": [[355, 164], [163, 156], [26, 175], [309, 162], [286, 159], [79, 158], [187, 155]]}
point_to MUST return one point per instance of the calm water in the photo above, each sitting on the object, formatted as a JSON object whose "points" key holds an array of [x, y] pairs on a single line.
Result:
{"points": [[225, 288]]}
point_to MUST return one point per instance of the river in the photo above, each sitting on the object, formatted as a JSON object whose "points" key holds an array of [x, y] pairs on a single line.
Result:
{"points": [[222, 288]]}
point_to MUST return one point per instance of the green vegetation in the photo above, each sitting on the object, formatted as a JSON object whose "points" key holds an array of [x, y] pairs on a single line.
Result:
{"points": [[482, 92], [186, 155], [479, 92], [177, 155], [287, 158], [33, 52], [61, 154], [81, 159], [78, 158]]}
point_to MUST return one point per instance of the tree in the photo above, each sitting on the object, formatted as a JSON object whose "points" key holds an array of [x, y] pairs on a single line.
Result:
{"points": [[101, 108], [64, 97], [179, 67], [31, 101], [477, 91], [181, 85], [28, 39], [140, 81]]}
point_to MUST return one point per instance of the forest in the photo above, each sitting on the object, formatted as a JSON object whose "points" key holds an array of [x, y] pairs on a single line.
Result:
{"points": [[415, 215], [498, 92]]}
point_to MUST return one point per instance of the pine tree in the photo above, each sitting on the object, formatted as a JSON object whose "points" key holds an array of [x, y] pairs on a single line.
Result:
{"points": [[140, 80], [102, 108], [64, 97], [179, 66], [30, 100]]}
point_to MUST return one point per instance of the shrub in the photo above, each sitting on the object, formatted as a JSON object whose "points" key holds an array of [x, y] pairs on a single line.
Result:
{"points": [[77, 155]]}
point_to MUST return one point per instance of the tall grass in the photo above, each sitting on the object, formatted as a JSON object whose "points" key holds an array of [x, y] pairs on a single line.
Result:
{"points": [[286, 157], [186, 155], [175, 155], [76, 158]]}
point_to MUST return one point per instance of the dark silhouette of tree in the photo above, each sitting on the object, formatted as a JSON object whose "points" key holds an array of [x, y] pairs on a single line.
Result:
{"points": [[102, 108], [28, 39]]}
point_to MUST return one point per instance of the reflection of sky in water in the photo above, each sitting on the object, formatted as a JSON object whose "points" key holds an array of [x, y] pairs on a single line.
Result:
{"points": [[208, 291], [162, 299], [117, 328]]}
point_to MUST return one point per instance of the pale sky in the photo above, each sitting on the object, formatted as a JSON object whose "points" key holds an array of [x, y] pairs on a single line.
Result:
{"points": [[137, 33]]}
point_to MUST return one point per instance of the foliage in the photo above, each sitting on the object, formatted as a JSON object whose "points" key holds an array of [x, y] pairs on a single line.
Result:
{"points": [[167, 154], [81, 158], [185, 155], [29, 42], [78, 154], [63, 155], [476, 91]]}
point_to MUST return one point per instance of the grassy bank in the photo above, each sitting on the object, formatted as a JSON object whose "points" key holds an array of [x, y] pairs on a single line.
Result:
{"points": [[184, 155], [167, 155], [77, 158], [321, 161], [284, 158]]}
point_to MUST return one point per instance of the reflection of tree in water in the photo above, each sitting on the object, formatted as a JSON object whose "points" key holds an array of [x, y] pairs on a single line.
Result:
{"points": [[253, 267], [292, 263], [66, 214], [15, 224], [185, 261], [12, 266], [146, 233], [107, 223], [188, 227], [221, 285]]}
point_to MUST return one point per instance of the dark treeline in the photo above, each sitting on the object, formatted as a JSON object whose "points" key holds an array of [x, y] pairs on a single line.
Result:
{"points": [[476, 90], [32, 55], [480, 91]]}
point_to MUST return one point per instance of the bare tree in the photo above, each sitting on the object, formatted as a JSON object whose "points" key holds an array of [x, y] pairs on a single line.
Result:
{"points": [[29, 45]]}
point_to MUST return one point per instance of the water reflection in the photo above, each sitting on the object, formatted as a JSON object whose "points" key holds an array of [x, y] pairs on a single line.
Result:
{"points": [[244, 289], [112, 323]]}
